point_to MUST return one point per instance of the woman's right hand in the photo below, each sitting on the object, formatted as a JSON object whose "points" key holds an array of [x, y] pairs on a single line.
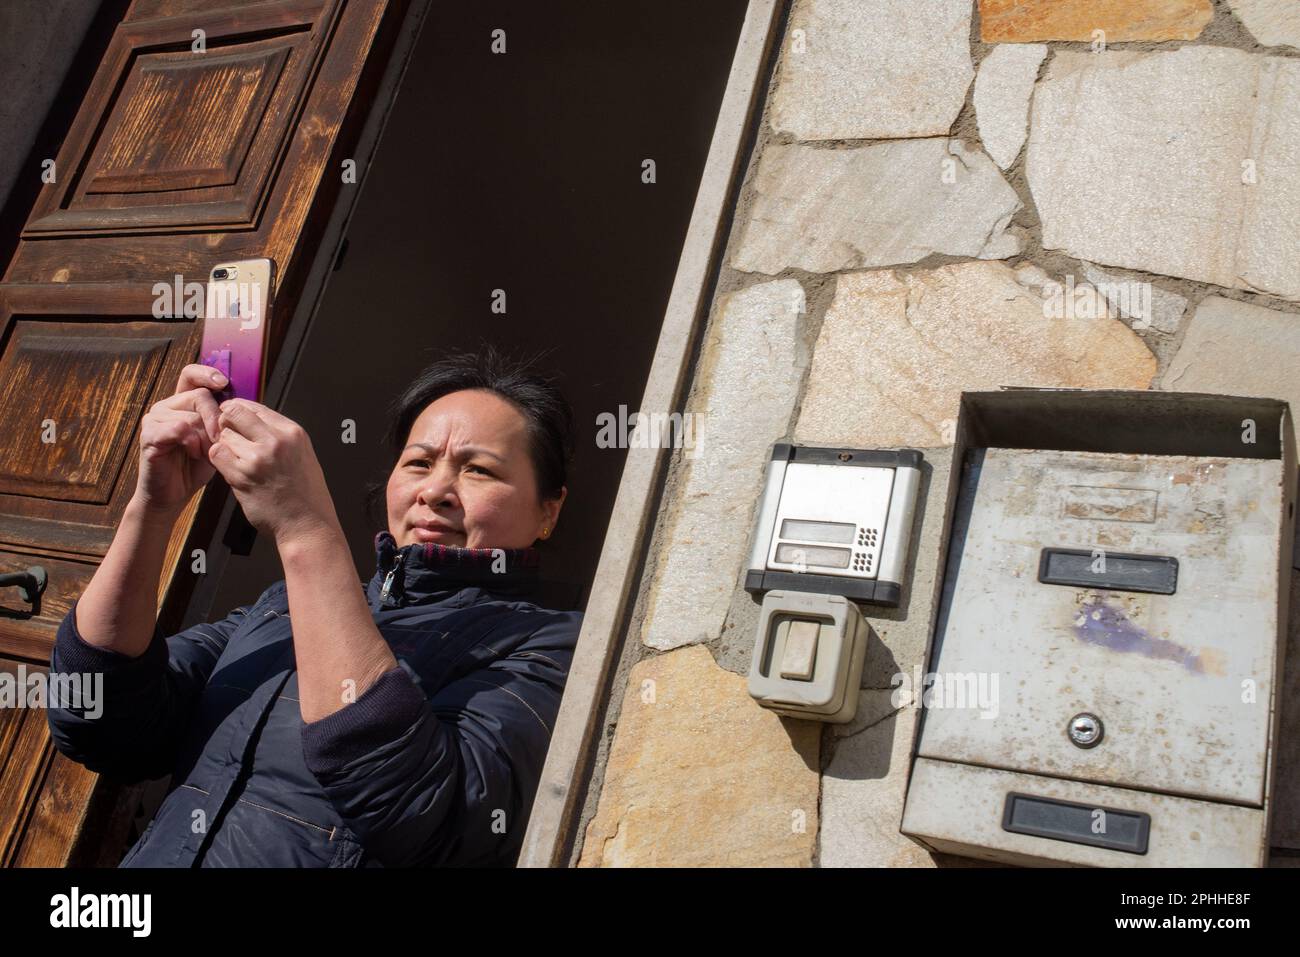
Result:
{"points": [[175, 435]]}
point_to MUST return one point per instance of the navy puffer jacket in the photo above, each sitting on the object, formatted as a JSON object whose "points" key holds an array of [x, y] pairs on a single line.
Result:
{"points": [[436, 763]]}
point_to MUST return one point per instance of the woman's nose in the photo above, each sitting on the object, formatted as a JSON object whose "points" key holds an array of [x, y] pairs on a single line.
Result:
{"points": [[438, 487]]}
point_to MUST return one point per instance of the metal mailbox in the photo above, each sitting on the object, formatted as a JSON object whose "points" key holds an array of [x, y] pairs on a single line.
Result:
{"points": [[1117, 568]]}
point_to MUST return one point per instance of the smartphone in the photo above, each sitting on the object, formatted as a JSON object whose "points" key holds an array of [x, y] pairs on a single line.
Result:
{"points": [[235, 326]]}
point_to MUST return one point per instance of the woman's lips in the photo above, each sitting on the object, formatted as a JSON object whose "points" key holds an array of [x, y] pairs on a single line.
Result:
{"points": [[423, 534]]}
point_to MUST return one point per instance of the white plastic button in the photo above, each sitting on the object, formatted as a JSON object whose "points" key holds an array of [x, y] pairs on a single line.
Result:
{"points": [[800, 650]]}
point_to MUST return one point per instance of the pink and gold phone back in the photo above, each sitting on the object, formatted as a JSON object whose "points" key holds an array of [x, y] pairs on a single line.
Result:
{"points": [[235, 325]]}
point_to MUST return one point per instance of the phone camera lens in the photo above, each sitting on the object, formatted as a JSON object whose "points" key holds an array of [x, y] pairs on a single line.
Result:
{"points": [[219, 274]]}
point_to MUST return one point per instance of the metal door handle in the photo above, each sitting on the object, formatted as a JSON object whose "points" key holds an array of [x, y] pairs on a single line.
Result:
{"points": [[31, 583]]}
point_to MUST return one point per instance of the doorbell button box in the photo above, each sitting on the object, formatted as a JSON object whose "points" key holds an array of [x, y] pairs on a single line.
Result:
{"points": [[808, 656], [835, 521]]}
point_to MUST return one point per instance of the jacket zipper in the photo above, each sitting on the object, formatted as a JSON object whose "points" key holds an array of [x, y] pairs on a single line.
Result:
{"points": [[392, 574]]}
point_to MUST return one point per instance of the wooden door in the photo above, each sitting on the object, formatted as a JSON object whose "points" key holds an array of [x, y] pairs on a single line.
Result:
{"points": [[182, 154]]}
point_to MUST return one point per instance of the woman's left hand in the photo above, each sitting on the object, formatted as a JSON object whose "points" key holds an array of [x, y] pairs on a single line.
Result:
{"points": [[269, 463]]}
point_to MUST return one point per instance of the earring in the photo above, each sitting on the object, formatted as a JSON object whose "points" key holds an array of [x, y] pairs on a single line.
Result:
{"points": [[545, 531]]}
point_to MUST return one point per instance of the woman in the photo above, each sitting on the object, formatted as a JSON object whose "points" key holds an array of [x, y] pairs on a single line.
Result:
{"points": [[399, 722]]}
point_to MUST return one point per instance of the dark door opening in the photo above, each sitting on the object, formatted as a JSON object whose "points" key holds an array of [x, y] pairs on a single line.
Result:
{"points": [[519, 171]]}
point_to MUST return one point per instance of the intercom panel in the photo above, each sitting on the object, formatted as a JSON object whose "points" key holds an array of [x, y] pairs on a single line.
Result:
{"points": [[835, 521]]}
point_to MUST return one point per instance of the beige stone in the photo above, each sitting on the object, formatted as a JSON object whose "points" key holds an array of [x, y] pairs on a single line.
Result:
{"points": [[896, 351], [1098, 293], [745, 393], [1021, 21], [1271, 22], [1002, 90], [1235, 348], [699, 775], [1180, 163], [891, 203], [1145, 303], [863, 789], [889, 68]]}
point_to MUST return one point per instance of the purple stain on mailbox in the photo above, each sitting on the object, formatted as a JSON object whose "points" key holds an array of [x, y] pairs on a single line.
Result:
{"points": [[1099, 623]]}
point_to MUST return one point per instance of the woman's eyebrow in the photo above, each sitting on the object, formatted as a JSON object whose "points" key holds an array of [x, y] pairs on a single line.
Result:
{"points": [[465, 450]]}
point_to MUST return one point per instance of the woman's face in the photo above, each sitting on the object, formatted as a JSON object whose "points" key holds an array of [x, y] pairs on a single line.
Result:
{"points": [[465, 477]]}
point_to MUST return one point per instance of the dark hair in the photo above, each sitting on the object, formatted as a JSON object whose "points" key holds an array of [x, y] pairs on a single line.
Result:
{"points": [[547, 415]]}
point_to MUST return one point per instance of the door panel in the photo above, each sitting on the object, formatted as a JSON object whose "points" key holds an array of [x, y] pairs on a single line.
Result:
{"points": [[24, 757], [43, 796], [161, 159], [177, 159], [228, 114], [81, 365]]}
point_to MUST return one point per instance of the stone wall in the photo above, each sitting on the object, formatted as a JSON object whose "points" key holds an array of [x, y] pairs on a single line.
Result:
{"points": [[945, 195]]}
